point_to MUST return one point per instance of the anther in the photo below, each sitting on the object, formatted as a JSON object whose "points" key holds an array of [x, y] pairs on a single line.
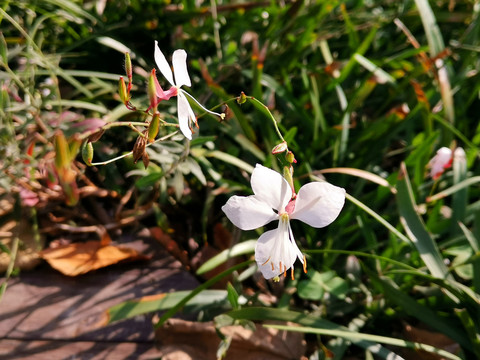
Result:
{"points": [[266, 261], [304, 264], [291, 274]]}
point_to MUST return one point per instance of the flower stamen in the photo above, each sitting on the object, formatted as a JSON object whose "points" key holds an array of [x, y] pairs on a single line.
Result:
{"points": [[304, 264], [266, 262]]}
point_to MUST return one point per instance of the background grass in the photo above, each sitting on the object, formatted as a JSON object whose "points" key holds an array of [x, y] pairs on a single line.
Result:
{"points": [[372, 85]]}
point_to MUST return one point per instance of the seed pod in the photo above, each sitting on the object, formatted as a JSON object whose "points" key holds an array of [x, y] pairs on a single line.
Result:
{"points": [[87, 152], [139, 148], [153, 127], [96, 136], [145, 159]]}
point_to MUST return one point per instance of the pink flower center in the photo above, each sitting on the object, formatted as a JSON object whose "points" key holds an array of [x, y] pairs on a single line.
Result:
{"points": [[290, 207]]}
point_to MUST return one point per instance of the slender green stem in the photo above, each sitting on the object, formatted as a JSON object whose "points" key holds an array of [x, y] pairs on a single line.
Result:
{"points": [[267, 112], [131, 152], [130, 124]]}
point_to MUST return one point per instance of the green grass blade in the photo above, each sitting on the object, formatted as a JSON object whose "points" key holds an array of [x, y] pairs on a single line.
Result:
{"points": [[198, 290], [8, 273], [369, 337], [243, 248], [432, 31], [72, 8], [437, 45], [262, 314], [452, 190], [230, 159], [382, 76], [413, 308], [415, 227], [460, 197], [160, 302], [78, 104]]}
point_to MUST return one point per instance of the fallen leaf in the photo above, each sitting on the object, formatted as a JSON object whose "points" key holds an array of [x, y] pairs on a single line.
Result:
{"points": [[429, 337], [180, 339], [80, 258]]}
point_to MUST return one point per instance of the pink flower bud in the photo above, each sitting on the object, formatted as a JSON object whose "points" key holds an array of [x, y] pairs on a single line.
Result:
{"points": [[291, 158], [280, 148], [440, 162], [122, 90], [152, 90]]}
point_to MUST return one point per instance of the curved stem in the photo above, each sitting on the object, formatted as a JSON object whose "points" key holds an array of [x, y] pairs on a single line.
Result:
{"points": [[131, 152], [129, 124], [267, 112]]}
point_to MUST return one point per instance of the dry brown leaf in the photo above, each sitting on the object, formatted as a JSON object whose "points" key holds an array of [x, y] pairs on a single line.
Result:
{"points": [[180, 339], [79, 258], [429, 337]]}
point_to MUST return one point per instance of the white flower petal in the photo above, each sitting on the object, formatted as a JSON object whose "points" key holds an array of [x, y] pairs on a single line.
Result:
{"points": [[276, 251], [269, 186], [163, 65], [184, 113], [179, 60], [318, 203], [248, 212], [191, 114]]}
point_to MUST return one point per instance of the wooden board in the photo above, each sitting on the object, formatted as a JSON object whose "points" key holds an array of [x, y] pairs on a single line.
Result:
{"points": [[42, 311]]}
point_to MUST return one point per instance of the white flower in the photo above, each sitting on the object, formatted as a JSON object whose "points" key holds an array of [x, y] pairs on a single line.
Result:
{"points": [[186, 115], [440, 162], [317, 204]]}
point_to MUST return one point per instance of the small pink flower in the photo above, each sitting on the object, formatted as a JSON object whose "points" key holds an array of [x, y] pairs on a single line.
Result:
{"points": [[440, 162]]}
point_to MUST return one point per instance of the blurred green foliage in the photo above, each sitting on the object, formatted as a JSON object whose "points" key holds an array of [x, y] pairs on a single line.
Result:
{"points": [[358, 84]]}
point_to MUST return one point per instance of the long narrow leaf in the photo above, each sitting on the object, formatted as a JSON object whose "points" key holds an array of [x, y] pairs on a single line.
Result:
{"points": [[243, 248], [198, 290], [452, 190], [369, 337], [413, 308], [159, 302], [415, 227], [262, 314]]}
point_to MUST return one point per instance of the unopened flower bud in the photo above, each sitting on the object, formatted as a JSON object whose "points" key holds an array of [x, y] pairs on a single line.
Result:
{"points": [[280, 148], [122, 90], [152, 91], [242, 98], [87, 152], [290, 158], [128, 66], [288, 175], [153, 127], [61, 151]]}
